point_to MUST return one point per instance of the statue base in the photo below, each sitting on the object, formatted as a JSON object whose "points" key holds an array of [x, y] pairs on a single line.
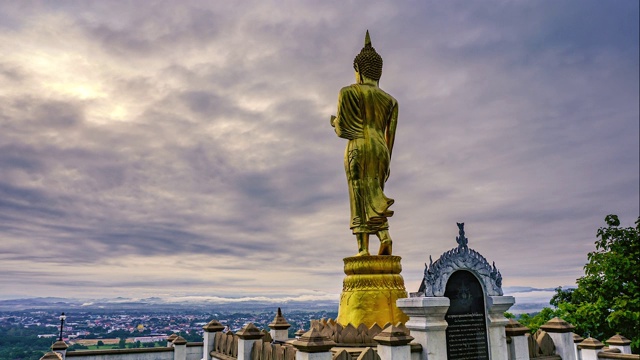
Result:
{"points": [[370, 290]]}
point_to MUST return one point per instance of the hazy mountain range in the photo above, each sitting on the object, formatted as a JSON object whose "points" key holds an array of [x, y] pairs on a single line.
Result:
{"points": [[528, 299]]}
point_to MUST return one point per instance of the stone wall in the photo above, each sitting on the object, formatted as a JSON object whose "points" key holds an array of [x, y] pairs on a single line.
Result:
{"points": [[193, 351], [123, 354]]}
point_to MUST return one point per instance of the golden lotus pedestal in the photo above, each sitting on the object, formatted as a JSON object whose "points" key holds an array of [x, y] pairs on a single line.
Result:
{"points": [[370, 290]]}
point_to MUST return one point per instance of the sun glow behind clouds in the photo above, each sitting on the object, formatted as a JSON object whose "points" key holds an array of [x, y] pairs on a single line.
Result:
{"points": [[64, 74], [75, 78], [66, 68]]}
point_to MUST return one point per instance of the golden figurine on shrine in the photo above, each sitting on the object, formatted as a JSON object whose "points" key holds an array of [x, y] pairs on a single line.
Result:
{"points": [[367, 117]]}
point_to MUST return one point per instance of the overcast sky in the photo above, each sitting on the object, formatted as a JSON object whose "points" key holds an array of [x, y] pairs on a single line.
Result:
{"points": [[184, 149]]}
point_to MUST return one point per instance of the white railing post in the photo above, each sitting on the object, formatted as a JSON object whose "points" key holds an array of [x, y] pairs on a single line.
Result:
{"points": [[393, 344], [427, 325], [577, 339], [247, 336], [209, 338], [179, 348], [621, 343], [561, 333], [60, 347], [519, 346], [589, 349], [279, 327], [496, 307], [313, 346]]}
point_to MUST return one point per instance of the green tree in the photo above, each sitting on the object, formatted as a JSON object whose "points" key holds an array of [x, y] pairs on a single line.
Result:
{"points": [[509, 315], [75, 347], [18, 342], [190, 337], [536, 320], [607, 299], [100, 343]]}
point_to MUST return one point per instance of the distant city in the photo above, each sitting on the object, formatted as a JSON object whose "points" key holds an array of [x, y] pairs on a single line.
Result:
{"points": [[28, 331], [151, 326], [149, 318]]}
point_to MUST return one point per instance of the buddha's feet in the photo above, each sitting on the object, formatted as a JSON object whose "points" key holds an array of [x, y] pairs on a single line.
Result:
{"points": [[385, 247]]}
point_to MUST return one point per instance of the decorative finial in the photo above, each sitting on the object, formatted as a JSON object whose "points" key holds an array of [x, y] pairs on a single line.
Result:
{"points": [[367, 40], [279, 322], [461, 240]]}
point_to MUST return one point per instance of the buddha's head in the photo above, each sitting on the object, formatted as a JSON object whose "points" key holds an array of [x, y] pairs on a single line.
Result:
{"points": [[368, 62]]}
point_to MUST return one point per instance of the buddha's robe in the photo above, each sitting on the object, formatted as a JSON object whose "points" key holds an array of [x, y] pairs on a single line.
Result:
{"points": [[367, 117]]}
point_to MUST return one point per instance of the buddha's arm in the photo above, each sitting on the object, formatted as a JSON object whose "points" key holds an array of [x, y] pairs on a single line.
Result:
{"points": [[335, 119], [391, 129], [347, 122]]}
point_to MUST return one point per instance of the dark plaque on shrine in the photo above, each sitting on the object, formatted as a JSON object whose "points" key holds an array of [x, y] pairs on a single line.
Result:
{"points": [[467, 330]]}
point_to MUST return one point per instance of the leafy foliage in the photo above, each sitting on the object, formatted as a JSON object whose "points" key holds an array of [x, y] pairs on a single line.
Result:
{"points": [[534, 322], [509, 315], [75, 347], [607, 299], [191, 337], [22, 343]]}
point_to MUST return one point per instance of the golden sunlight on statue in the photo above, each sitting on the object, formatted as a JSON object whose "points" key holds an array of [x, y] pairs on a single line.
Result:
{"points": [[367, 118]]}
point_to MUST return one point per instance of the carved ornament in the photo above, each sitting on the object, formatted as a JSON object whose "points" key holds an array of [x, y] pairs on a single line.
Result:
{"points": [[437, 273]]}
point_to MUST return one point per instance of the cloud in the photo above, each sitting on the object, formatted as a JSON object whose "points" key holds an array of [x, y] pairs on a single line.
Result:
{"points": [[275, 300], [192, 141]]}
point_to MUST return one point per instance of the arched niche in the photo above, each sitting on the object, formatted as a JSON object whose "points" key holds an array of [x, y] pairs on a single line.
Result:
{"points": [[466, 317]]}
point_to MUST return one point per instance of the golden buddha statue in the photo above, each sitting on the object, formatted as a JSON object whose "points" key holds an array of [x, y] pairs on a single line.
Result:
{"points": [[367, 117]]}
